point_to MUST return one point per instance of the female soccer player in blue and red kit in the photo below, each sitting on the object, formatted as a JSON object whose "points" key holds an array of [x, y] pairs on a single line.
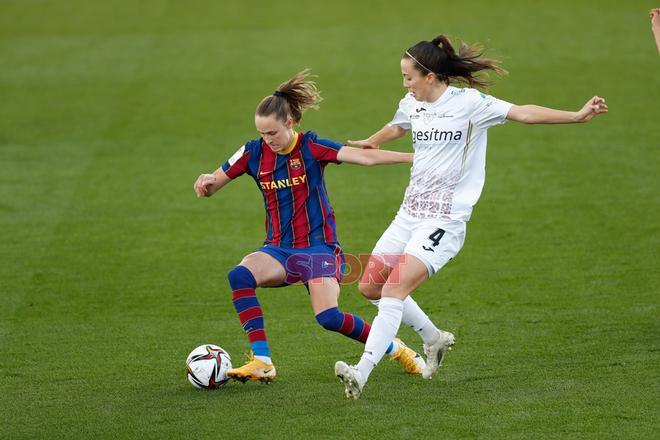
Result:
{"points": [[301, 242]]}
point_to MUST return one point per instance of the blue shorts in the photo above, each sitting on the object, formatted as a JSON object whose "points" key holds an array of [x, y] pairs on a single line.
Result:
{"points": [[304, 264]]}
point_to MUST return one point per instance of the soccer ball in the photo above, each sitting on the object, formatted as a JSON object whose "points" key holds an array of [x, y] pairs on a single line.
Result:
{"points": [[207, 366]]}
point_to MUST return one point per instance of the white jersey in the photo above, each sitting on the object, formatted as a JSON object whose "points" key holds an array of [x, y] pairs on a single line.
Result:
{"points": [[449, 138]]}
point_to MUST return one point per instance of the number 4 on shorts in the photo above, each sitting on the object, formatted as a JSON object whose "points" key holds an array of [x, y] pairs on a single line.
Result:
{"points": [[435, 239]]}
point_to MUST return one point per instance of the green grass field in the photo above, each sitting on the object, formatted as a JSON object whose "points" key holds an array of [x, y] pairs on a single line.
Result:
{"points": [[111, 270]]}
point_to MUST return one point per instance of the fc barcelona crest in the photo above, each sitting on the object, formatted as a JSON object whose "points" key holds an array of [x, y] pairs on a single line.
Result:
{"points": [[295, 164]]}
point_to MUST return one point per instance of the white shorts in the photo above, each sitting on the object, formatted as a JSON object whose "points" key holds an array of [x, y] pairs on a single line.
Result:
{"points": [[433, 241]]}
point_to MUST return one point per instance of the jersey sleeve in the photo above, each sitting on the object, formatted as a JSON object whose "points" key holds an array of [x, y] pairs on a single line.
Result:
{"points": [[237, 163], [324, 150], [402, 115], [488, 110]]}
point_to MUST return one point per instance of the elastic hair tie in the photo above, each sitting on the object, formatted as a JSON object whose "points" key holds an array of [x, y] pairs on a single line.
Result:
{"points": [[277, 93], [442, 76], [415, 60]]}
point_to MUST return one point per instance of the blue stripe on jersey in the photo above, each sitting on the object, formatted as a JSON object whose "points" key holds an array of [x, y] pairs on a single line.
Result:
{"points": [[269, 225], [255, 159]]}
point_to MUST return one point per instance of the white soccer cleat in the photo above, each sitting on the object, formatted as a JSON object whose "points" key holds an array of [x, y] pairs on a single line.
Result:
{"points": [[351, 378], [435, 353]]}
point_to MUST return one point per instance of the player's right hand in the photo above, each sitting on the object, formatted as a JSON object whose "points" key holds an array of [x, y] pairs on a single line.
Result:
{"points": [[595, 106], [202, 185], [655, 17], [365, 144]]}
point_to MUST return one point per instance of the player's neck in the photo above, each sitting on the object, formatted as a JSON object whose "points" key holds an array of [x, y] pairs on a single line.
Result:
{"points": [[436, 92], [292, 145]]}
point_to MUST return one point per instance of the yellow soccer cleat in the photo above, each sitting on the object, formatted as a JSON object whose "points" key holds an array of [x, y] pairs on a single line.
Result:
{"points": [[411, 362], [253, 370]]}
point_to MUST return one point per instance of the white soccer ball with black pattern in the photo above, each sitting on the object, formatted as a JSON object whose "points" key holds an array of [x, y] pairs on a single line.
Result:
{"points": [[207, 367]]}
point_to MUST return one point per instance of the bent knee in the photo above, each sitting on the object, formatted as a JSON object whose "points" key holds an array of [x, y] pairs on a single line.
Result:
{"points": [[241, 277], [370, 290]]}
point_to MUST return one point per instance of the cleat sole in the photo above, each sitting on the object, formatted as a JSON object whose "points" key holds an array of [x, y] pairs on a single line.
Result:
{"points": [[244, 379]]}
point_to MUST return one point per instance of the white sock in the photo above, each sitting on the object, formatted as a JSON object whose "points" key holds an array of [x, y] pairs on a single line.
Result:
{"points": [[383, 330], [395, 345], [413, 316], [265, 359]]}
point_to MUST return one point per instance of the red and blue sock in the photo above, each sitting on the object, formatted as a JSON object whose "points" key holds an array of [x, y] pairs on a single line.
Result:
{"points": [[249, 311], [347, 324]]}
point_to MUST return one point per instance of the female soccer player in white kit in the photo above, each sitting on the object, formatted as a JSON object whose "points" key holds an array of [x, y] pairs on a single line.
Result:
{"points": [[448, 126]]}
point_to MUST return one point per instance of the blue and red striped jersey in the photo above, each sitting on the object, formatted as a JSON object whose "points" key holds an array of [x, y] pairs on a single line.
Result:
{"points": [[298, 210]]}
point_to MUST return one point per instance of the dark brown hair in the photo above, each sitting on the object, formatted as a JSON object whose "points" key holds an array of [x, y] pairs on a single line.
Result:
{"points": [[439, 57], [291, 98]]}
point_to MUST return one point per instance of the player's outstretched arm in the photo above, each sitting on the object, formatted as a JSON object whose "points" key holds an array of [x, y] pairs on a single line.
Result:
{"points": [[535, 114], [208, 184], [384, 135], [372, 157]]}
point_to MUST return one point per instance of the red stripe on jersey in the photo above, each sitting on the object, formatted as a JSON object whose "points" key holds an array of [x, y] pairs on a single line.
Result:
{"points": [[257, 335], [332, 231], [347, 325], [338, 272], [300, 192], [323, 152], [265, 174], [251, 313], [365, 332], [239, 167]]}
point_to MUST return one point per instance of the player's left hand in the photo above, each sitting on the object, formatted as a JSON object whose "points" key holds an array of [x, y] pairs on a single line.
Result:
{"points": [[203, 184], [593, 107]]}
